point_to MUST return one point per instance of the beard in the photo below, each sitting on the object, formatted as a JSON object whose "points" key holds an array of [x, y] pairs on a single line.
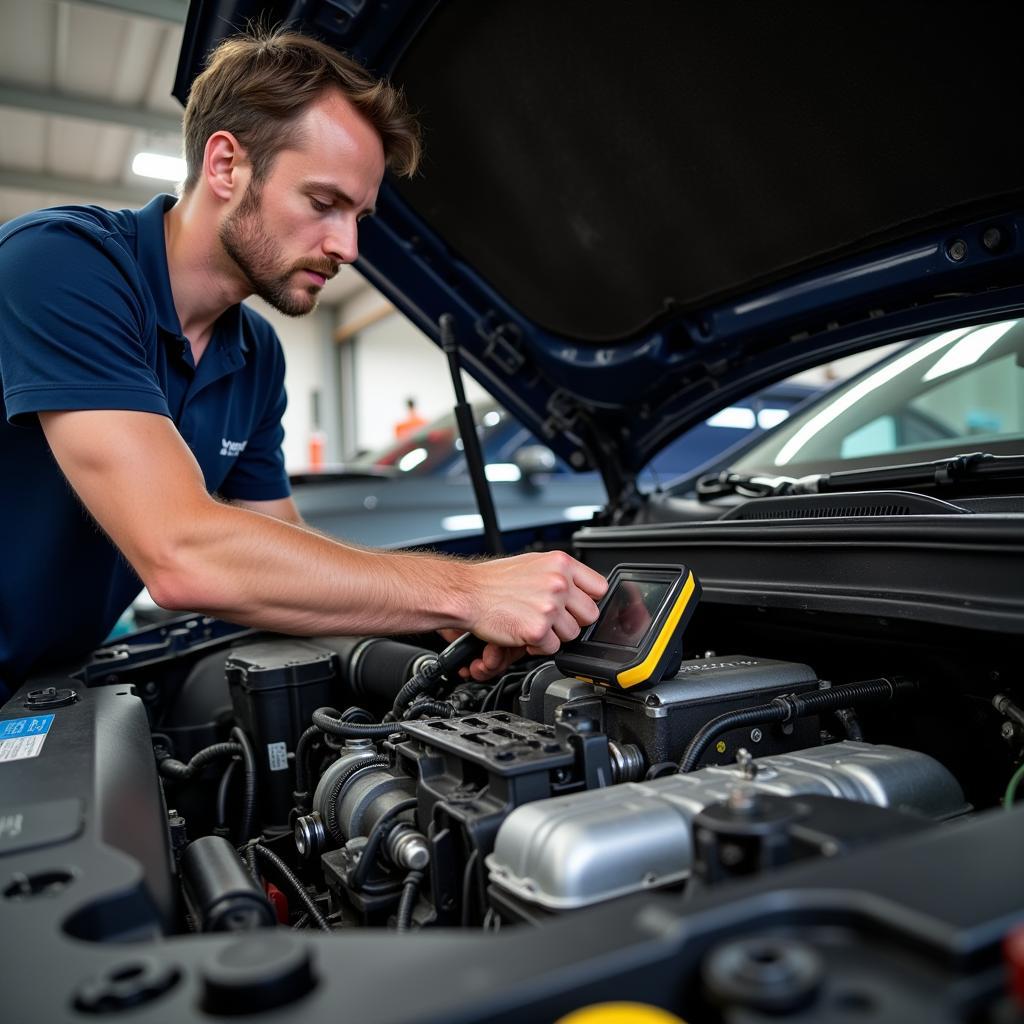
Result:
{"points": [[261, 260]]}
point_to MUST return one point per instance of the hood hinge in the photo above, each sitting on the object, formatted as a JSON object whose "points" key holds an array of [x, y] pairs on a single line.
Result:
{"points": [[504, 343]]}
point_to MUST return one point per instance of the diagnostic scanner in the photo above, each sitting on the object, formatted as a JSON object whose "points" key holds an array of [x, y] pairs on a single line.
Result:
{"points": [[637, 638]]}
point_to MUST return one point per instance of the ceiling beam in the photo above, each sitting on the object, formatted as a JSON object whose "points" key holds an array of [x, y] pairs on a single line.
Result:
{"points": [[79, 188], [162, 10], [46, 101]]}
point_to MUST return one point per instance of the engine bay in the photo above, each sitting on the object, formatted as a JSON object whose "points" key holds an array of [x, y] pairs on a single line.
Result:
{"points": [[202, 781]]}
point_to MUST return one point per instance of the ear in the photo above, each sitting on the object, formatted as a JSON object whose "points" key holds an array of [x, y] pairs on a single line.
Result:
{"points": [[225, 166]]}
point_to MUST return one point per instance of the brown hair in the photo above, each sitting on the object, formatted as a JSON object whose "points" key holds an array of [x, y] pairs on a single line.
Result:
{"points": [[257, 85]]}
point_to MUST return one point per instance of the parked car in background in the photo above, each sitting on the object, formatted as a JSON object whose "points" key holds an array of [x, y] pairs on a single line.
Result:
{"points": [[418, 490]]}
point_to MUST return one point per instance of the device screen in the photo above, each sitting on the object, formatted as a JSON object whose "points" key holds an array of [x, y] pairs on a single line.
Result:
{"points": [[628, 615]]}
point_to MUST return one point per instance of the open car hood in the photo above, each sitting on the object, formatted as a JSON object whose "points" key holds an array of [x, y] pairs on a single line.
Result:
{"points": [[637, 213]]}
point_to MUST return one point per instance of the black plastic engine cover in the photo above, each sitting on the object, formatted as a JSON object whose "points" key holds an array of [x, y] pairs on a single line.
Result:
{"points": [[84, 844], [661, 720]]}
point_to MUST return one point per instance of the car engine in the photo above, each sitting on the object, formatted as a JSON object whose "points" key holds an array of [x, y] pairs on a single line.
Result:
{"points": [[488, 805], [205, 779]]}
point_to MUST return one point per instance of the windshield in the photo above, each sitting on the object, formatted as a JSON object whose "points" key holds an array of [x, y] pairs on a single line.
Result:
{"points": [[959, 391]]}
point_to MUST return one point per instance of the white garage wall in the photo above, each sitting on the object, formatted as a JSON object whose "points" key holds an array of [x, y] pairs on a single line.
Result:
{"points": [[392, 360], [310, 361]]}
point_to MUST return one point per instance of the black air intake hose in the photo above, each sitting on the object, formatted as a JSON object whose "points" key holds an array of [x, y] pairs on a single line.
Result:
{"points": [[790, 706], [374, 668]]}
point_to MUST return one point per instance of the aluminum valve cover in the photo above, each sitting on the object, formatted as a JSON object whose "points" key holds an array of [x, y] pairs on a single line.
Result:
{"points": [[573, 851]]}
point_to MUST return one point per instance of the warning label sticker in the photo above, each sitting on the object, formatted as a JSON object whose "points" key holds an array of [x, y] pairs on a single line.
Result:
{"points": [[21, 738], [278, 755]]}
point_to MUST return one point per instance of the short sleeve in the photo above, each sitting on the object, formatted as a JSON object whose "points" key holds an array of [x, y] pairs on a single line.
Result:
{"points": [[259, 474], [73, 329]]}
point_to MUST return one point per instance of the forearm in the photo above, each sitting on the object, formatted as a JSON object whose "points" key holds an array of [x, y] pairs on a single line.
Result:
{"points": [[137, 478], [247, 567]]}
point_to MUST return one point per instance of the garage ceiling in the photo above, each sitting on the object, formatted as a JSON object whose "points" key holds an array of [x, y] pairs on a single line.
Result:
{"points": [[84, 86]]}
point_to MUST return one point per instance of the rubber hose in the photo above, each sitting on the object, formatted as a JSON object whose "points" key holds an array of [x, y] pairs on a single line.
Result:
{"points": [[172, 769], [331, 804], [292, 879], [373, 842], [789, 706], [330, 721], [249, 762], [406, 905], [222, 793]]}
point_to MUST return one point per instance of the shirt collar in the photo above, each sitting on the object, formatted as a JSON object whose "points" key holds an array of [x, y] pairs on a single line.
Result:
{"points": [[228, 332]]}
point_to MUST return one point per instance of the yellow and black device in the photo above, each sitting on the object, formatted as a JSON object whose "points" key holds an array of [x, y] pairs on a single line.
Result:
{"points": [[637, 638]]}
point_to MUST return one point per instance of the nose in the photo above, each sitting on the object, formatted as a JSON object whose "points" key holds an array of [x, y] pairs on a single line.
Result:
{"points": [[342, 244]]}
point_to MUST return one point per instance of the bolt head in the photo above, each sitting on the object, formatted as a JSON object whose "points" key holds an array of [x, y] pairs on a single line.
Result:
{"points": [[1008, 730], [957, 250], [992, 239]]}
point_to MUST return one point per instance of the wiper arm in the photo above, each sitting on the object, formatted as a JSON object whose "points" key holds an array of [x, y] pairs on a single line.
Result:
{"points": [[961, 473]]}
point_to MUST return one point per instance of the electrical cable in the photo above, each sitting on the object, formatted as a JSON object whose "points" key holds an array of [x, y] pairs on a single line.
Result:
{"points": [[222, 794], [357, 880], [407, 902], [430, 708], [249, 762], [790, 706], [330, 720], [303, 769], [1011, 790], [293, 881], [181, 772], [467, 881]]}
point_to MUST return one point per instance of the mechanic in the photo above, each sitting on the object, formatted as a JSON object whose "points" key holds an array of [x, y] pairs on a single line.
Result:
{"points": [[131, 372]]}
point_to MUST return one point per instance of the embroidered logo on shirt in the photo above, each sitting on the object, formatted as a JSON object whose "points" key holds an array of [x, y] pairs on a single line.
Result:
{"points": [[232, 448]]}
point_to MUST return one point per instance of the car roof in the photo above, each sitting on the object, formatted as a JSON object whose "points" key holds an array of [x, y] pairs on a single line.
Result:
{"points": [[638, 213]]}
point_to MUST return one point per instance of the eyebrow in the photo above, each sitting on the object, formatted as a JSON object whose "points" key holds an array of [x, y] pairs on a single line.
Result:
{"points": [[337, 194]]}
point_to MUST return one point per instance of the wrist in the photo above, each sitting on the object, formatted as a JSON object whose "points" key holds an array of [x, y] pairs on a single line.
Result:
{"points": [[457, 598]]}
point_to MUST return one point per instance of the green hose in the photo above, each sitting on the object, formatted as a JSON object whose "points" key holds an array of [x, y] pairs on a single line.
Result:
{"points": [[1011, 789]]}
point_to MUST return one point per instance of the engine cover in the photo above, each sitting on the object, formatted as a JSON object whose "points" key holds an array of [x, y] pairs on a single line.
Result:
{"points": [[573, 851]]}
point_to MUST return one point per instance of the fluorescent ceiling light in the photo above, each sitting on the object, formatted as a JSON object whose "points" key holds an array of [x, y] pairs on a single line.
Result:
{"points": [[156, 165], [969, 350]]}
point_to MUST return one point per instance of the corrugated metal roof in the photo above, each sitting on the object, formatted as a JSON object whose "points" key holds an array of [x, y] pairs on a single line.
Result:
{"points": [[84, 86]]}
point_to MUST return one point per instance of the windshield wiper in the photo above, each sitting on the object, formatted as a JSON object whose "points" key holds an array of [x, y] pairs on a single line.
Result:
{"points": [[962, 474]]}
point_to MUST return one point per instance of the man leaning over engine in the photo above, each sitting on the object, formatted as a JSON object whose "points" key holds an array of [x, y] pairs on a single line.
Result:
{"points": [[131, 372]]}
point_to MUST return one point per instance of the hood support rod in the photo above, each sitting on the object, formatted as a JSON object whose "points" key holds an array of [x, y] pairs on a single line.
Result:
{"points": [[470, 440]]}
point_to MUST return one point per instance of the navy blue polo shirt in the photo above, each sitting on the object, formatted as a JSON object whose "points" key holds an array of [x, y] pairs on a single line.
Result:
{"points": [[87, 321]]}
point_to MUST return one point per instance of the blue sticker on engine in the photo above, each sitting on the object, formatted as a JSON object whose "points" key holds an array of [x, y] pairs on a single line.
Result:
{"points": [[23, 737]]}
